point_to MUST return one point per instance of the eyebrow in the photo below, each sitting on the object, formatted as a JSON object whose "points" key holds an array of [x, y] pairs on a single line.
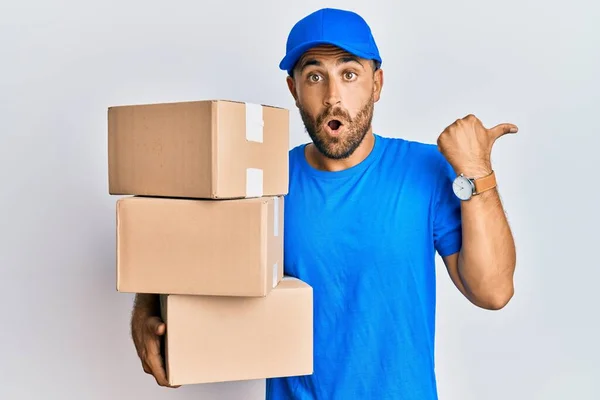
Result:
{"points": [[348, 59], [341, 60]]}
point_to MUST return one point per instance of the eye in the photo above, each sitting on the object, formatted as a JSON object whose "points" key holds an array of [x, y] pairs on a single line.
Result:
{"points": [[349, 75], [314, 77]]}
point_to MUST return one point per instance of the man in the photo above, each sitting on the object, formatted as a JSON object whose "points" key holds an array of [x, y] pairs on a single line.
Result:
{"points": [[364, 217]]}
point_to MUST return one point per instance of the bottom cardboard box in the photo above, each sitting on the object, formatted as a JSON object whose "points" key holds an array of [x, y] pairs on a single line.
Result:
{"points": [[221, 339]]}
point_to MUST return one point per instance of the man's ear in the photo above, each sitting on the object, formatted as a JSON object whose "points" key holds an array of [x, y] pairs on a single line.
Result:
{"points": [[292, 87], [377, 84]]}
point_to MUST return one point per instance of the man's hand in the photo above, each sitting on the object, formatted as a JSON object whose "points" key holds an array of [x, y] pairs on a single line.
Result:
{"points": [[467, 145], [147, 331]]}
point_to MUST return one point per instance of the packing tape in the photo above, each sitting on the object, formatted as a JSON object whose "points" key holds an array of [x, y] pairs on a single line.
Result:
{"points": [[276, 217], [254, 122], [275, 274], [254, 182]]}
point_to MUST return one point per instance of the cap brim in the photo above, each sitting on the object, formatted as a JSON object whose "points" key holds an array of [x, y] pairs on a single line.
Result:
{"points": [[292, 57]]}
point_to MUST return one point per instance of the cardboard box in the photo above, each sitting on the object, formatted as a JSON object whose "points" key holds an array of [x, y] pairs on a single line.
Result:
{"points": [[199, 247], [213, 149], [219, 339]]}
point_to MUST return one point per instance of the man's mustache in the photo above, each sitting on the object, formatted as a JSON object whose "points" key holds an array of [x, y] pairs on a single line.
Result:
{"points": [[334, 112]]}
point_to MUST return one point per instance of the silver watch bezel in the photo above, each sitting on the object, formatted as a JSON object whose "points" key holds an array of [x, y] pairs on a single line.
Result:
{"points": [[463, 179]]}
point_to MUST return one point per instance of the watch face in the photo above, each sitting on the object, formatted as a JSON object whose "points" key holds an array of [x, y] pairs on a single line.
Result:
{"points": [[463, 188]]}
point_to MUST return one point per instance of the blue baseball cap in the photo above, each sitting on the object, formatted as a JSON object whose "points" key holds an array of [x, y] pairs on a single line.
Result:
{"points": [[329, 26]]}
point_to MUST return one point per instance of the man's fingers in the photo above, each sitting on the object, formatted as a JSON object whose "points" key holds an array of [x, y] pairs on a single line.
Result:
{"points": [[156, 326], [503, 129], [158, 370], [154, 365], [155, 362], [146, 368]]}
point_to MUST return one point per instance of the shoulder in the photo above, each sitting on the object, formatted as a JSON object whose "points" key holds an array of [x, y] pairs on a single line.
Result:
{"points": [[418, 157], [296, 149], [417, 165], [295, 154]]}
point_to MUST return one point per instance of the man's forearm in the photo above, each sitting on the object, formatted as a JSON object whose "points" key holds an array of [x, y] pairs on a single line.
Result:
{"points": [[487, 260], [146, 304]]}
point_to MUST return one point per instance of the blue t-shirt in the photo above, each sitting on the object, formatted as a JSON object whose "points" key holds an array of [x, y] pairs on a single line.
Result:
{"points": [[365, 239]]}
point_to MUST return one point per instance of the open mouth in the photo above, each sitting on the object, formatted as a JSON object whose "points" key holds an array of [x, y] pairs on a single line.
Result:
{"points": [[334, 124]]}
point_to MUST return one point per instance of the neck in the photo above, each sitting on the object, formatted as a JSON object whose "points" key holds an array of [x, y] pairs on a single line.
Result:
{"points": [[320, 162]]}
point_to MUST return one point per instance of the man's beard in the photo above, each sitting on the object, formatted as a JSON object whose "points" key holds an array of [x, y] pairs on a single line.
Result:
{"points": [[343, 146]]}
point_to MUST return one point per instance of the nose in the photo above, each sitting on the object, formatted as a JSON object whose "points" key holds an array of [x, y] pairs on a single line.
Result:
{"points": [[333, 95]]}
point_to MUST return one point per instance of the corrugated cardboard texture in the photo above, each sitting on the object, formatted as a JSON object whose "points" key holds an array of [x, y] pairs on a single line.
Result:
{"points": [[219, 339], [212, 149], [201, 247]]}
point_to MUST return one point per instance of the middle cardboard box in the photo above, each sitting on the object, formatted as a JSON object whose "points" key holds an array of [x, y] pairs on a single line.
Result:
{"points": [[200, 246]]}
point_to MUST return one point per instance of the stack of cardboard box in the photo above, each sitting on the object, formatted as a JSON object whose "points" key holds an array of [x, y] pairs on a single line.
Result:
{"points": [[201, 224]]}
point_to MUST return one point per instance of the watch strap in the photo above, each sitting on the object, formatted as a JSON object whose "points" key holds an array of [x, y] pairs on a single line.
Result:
{"points": [[485, 183]]}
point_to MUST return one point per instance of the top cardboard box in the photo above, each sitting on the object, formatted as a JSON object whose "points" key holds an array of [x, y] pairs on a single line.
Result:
{"points": [[209, 149]]}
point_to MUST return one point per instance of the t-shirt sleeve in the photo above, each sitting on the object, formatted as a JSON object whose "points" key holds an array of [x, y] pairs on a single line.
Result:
{"points": [[447, 224]]}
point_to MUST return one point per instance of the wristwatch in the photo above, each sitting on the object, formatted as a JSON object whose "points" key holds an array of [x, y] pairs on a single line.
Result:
{"points": [[464, 188]]}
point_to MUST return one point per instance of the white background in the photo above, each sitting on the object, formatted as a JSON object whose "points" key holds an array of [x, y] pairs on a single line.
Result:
{"points": [[65, 329]]}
